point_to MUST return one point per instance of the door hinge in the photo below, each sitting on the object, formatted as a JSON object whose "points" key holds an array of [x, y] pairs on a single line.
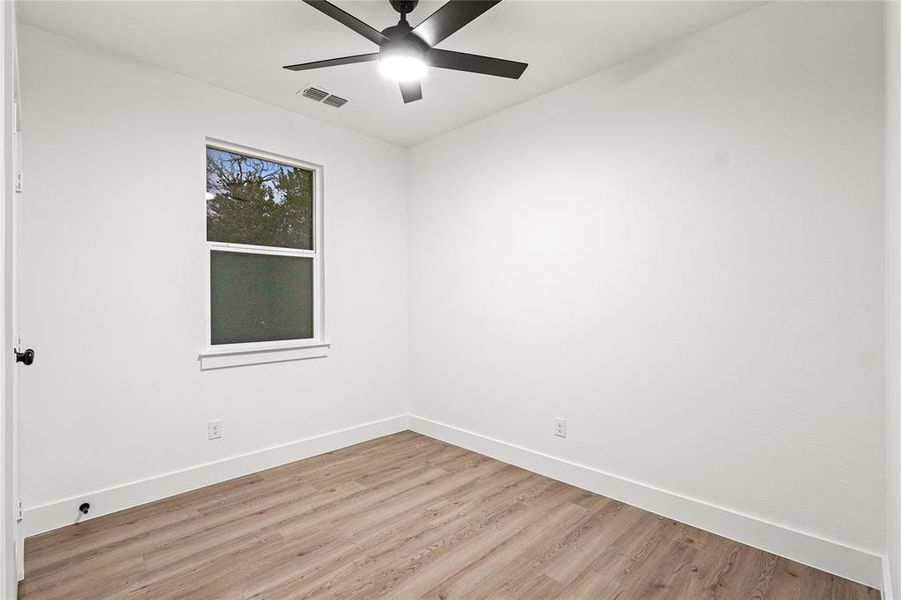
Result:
{"points": [[20, 510], [19, 185]]}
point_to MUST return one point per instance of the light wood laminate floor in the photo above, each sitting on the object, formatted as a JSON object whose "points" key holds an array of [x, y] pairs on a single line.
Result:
{"points": [[405, 516]]}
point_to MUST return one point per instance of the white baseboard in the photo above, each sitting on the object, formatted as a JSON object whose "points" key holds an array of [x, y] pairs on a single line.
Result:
{"points": [[833, 557], [887, 593], [39, 519]]}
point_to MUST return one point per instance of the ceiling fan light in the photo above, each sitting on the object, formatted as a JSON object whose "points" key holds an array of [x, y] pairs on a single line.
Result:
{"points": [[402, 67]]}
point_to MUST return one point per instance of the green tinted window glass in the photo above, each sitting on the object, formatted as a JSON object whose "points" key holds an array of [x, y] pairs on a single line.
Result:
{"points": [[260, 297], [254, 201]]}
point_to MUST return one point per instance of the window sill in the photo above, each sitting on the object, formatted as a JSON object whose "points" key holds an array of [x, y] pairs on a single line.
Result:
{"points": [[256, 354]]}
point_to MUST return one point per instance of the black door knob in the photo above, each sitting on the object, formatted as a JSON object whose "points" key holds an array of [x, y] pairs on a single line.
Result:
{"points": [[26, 357]]}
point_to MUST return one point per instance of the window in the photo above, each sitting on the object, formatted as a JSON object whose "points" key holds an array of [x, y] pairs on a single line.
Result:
{"points": [[264, 239]]}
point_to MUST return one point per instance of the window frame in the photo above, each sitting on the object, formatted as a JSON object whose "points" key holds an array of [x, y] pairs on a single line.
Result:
{"points": [[236, 354]]}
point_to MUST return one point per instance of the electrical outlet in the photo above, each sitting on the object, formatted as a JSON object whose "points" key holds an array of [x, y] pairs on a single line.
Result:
{"points": [[560, 427], [214, 429]]}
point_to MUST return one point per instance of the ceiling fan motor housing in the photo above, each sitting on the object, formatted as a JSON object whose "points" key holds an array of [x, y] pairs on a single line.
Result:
{"points": [[401, 41], [404, 6]]}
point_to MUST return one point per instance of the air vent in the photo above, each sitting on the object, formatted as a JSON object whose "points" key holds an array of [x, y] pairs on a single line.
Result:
{"points": [[336, 101], [320, 95], [314, 94]]}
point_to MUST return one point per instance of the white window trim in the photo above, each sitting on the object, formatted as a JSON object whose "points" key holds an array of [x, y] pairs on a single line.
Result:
{"points": [[233, 355]]}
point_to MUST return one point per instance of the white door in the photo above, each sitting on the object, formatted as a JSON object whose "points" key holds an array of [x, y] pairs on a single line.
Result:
{"points": [[11, 563]]}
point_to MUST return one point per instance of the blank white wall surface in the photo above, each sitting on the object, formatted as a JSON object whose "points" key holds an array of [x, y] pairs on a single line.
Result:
{"points": [[682, 256], [892, 297]]}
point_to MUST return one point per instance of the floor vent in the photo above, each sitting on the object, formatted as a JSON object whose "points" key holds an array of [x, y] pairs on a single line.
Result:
{"points": [[320, 95]]}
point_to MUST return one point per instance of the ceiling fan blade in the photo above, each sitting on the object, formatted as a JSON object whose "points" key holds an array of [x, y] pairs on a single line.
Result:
{"points": [[486, 65], [411, 91], [450, 18], [333, 62], [348, 20]]}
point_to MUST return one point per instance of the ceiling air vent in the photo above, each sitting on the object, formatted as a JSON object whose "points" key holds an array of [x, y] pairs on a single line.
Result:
{"points": [[314, 93], [336, 101], [320, 95]]}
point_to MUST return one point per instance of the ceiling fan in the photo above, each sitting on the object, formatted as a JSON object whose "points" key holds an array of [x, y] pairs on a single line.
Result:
{"points": [[405, 52]]}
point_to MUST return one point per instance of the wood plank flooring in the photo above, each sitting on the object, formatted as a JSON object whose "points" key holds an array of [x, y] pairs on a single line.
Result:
{"points": [[405, 516]]}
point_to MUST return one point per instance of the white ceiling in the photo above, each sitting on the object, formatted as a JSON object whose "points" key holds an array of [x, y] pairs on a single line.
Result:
{"points": [[242, 45]]}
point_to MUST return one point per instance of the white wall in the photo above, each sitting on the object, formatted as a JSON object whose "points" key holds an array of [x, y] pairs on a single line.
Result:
{"points": [[892, 296], [681, 255], [114, 262]]}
